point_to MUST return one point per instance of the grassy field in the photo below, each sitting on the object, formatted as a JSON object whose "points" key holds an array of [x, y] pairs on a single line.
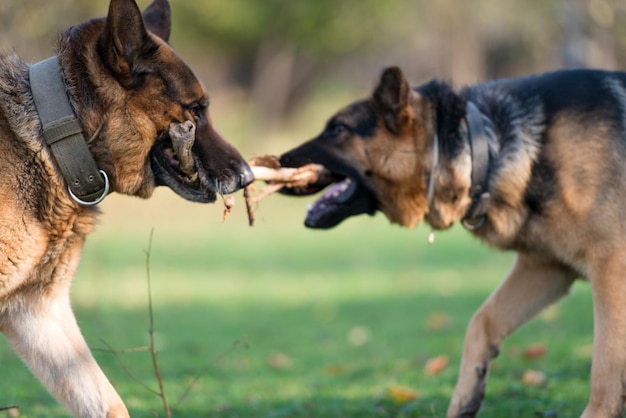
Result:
{"points": [[281, 321]]}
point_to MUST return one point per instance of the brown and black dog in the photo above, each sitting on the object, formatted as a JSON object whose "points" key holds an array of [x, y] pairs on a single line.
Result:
{"points": [[536, 165], [125, 88]]}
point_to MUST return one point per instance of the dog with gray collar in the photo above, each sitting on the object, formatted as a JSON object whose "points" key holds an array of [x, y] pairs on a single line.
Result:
{"points": [[116, 110], [536, 165]]}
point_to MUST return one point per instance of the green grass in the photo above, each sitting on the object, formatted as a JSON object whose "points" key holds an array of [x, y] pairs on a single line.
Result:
{"points": [[292, 297]]}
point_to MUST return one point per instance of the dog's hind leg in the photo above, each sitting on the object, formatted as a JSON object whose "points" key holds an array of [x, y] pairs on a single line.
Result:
{"points": [[43, 330], [529, 287], [608, 366]]}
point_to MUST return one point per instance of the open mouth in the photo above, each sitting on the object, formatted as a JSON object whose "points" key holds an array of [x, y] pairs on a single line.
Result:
{"points": [[175, 165], [345, 196]]}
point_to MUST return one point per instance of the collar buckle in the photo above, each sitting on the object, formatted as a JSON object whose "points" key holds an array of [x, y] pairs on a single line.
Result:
{"points": [[476, 216]]}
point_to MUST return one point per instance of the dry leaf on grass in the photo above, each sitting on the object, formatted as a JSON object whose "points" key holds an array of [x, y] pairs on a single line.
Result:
{"points": [[436, 365], [358, 336], [403, 394], [534, 378], [437, 321], [535, 351], [550, 314], [337, 369], [279, 361]]}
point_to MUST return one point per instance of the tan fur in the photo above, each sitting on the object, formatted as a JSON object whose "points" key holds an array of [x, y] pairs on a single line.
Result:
{"points": [[394, 171]]}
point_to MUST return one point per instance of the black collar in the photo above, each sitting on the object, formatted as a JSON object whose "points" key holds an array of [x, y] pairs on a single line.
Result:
{"points": [[480, 133], [63, 133]]}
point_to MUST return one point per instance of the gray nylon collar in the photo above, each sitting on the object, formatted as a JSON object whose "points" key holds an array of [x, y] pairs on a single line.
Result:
{"points": [[479, 134], [63, 133]]}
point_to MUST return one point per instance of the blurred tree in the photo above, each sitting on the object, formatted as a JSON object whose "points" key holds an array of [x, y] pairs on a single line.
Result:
{"points": [[276, 46], [276, 50], [30, 26]]}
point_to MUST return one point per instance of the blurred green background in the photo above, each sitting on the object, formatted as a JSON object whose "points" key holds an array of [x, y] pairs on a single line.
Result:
{"points": [[266, 63], [327, 324]]}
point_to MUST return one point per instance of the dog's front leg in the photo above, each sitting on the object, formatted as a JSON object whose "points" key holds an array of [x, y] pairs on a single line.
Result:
{"points": [[608, 367], [529, 287], [43, 330]]}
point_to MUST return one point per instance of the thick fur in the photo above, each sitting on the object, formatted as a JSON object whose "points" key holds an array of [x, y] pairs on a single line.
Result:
{"points": [[126, 86], [557, 181]]}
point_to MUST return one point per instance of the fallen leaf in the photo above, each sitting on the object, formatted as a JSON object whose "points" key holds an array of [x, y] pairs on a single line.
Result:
{"points": [[358, 336], [437, 321], [336, 369], [535, 351], [534, 378], [279, 361], [435, 365], [403, 394], [550, 314]]}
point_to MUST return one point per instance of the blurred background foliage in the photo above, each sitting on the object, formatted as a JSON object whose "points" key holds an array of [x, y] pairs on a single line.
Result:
{"points": [[265, 60]]}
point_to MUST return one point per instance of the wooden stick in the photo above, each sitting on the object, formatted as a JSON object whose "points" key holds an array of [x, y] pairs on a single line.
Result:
{"points": [[266, 191], [290, 177], [229, 202], [183, 136], [267, 168], [247, 196]]}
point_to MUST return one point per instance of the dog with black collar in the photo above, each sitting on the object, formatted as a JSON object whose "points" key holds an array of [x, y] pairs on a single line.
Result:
{"points": [[536, 165]]}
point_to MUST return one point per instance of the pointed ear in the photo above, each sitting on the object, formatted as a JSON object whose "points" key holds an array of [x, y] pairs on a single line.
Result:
{"points": [[158, 19], [125, 39], [392, 98]]}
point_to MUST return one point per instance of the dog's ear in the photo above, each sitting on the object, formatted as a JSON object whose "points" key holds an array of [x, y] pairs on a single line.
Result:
{"points": [[125, 40], [158, 19], [392, 98]]}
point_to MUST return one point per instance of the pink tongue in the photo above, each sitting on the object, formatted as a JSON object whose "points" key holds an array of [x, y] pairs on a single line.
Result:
{"points": [[329, 199], [336, 189]]}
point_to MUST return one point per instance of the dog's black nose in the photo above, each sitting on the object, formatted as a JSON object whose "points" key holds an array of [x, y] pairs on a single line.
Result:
{"points": [[246, 176]]}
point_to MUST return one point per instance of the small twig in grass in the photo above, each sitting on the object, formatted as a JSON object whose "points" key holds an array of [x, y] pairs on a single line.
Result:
{"points": [[151, 348], [8, 408], [123, 351], [115, 353], [153, 352], [206, 368]]}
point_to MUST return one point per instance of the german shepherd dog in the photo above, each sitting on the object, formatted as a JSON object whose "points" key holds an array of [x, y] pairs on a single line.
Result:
{"points": [[536, 165], [126, 88]]}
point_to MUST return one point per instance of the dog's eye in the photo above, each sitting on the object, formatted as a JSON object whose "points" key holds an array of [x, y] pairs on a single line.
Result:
{"points": [[196, 110], [336, 129]]}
